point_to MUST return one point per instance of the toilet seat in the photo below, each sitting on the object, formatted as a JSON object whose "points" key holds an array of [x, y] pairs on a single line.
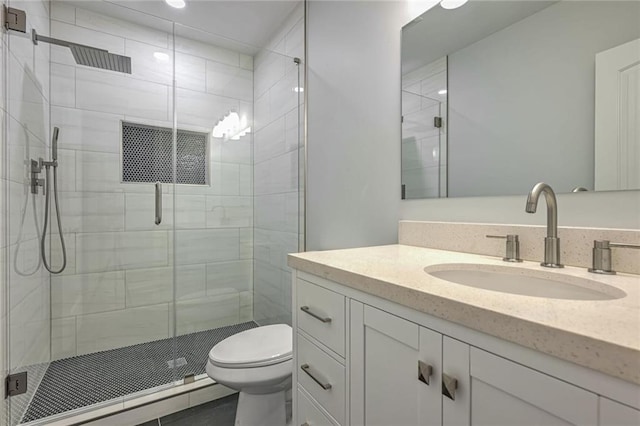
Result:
{"points": [[257, 347]]}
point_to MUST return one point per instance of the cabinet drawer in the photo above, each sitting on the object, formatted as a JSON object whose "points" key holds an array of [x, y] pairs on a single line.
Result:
{"points": [[322, 377], [309, 414], [321, 313]]}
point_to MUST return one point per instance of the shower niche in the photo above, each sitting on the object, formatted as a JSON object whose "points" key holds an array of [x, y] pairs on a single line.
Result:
{"points": [[154, 118]]}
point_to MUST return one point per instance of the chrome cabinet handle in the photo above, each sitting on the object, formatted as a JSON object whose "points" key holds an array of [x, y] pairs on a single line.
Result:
{"points": [[319, 317], [305, 424], [158, 203], [307, 369], [449, 386], [424, 372]]}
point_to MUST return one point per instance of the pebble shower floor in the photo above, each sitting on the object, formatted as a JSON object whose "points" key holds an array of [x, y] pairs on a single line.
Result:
{"points": [[83, 380]]}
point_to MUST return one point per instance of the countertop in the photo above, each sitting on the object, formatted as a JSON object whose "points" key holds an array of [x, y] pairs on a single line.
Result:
{"points": [[603, 335]]}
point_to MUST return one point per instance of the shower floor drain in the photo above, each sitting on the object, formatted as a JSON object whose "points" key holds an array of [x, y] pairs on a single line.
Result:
{"points": [[175, 363], [85, 380]]}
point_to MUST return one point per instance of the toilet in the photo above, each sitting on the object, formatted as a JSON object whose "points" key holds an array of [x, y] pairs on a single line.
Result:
{"points": [[257, 363]]}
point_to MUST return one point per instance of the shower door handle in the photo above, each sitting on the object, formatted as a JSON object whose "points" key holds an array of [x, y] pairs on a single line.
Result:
{"points": [[158, 203]]}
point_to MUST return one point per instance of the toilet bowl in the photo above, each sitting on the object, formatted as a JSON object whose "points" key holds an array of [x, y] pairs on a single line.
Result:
{"points": [[258, 364]]}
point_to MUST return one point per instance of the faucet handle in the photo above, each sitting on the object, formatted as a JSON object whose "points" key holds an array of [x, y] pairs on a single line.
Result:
{"points": [[601, 262], [512, 248]]}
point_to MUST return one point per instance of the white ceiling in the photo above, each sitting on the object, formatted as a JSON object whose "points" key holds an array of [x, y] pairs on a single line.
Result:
{"points": [[242, 25]]}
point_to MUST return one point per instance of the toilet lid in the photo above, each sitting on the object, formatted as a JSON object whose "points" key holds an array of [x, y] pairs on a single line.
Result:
{"points": [[257, 347]]}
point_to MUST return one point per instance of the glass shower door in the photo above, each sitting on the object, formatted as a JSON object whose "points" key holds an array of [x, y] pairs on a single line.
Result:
{"points": [[99, 330]]}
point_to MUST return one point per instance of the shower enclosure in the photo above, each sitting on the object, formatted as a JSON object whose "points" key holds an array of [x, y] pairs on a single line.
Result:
{"points": [[180, 193]]}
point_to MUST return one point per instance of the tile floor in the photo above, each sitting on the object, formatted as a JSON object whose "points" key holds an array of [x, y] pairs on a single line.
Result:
{"points": [[221, 412]]}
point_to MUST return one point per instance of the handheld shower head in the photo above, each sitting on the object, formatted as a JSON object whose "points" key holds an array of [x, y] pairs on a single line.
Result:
{"points": [[54, 144]]}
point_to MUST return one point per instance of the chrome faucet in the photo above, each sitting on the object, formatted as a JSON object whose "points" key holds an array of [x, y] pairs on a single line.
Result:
{"points": [[551, 241]]}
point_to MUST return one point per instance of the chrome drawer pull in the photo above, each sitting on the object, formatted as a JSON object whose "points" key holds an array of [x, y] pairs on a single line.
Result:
{"points": [[307, 369], [449, 386], [305, 424], [308, 310], [424, 372]]}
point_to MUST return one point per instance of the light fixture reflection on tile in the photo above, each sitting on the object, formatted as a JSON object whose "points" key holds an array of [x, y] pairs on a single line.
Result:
{"points": [[231, 127], [452, 4], [161, 56], [442, 92], [298, 89], [178, 4]]}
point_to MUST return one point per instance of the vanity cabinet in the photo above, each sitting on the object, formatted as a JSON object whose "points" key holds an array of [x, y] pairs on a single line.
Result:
{"points": [[367, 361]]}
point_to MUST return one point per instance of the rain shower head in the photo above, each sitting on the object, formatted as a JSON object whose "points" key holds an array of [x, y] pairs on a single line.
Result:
{"points": [[90, 56], [99, 58]]}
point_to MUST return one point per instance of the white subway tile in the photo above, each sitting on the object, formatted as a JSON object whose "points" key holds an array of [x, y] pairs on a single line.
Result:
{"points": [[207, 313], [272, 247], [246, 243], [63, 12], [231, 179], [225, 277], [63, 85], [27, 103], [152, 286], [66, 168], [246, 180], [107, 91], [97, 171], [229, 212], [55, 260], [92, 211], [208, 51], [229, 81], [145, 66], [238, 151], [87, 130], [277, 175], [100, 252], [203, 109], [246, 62], [269, 69], [108, 330], [129, 30], [191, 72], [206, 246], [63, 337], [86, 294], [269, 141]]}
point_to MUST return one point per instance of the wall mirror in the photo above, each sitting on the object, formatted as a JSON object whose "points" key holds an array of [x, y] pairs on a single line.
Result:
{"points": [[499, 95]]}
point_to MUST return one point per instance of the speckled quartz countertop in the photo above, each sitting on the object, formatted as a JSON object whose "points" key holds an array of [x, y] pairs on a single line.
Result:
{"points": [[603, 335]]}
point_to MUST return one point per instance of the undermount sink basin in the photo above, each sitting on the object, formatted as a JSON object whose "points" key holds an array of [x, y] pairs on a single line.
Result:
{"points": [[526, 282]]}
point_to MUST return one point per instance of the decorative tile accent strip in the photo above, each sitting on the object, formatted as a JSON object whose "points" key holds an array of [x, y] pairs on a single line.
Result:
{"points": [[575, 243]]}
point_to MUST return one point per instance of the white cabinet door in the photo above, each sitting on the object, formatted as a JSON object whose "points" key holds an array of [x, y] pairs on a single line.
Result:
{"points": [[615, 414], [456, 389], [389, 387], [506, 393]]}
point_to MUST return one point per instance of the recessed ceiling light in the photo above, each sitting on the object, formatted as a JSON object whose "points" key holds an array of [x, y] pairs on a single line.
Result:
{"points": [[161, 56], [178, 4], [442, 92], [452, 4]]}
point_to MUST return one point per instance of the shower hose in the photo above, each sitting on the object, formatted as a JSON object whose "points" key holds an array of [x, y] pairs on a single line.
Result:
{"points": [[46, 221]]}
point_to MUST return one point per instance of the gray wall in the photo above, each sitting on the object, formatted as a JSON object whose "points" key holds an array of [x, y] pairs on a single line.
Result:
{"points": [[354, 138], [527, 93]]}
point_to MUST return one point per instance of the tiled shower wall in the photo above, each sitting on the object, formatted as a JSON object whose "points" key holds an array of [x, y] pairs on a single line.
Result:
{"points": [[424, 147], [276, 164], [25, 117], [117, 288]]}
